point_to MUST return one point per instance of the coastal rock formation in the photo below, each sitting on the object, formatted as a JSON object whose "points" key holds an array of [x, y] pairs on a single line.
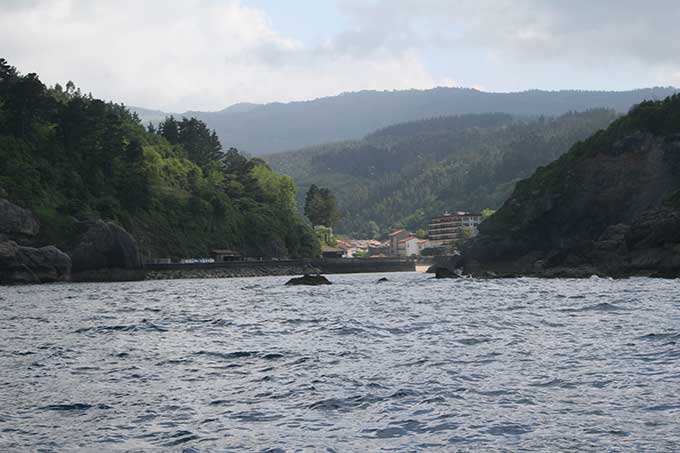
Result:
{"points": [[21, 264], [309, 280], [16, 223], [446, 267], [445, 272], [32, 265], [610, 206], [104, 245]]}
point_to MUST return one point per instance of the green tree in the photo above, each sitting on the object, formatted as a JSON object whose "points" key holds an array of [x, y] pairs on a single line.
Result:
{"points": [[67, 156], [486, 213], [325, 235], [321, 206], [373, 230]]}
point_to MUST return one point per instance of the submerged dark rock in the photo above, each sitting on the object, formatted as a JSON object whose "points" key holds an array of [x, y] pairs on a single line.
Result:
{"points": [[310, 280]]}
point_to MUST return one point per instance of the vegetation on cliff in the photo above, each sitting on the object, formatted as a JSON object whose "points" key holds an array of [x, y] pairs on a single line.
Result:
{"points": [[69, 157], [659, 119], [405, 174], [609, 205]]}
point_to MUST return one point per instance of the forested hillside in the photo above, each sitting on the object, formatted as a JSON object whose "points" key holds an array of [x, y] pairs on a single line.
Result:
{"points": [[70, 157], [275, 127], [404, 174], [610, 206]]}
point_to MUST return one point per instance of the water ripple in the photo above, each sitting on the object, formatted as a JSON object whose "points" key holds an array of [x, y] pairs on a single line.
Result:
{"points": [[412, 364]]}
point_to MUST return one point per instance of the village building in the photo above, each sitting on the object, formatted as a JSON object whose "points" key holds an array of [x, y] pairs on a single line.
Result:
{"points": [[331, 252], [422, 245], [348, 247], [379, 250], [409, 246], [221, 256], [412, 246], [449, 227], [395, 237]]}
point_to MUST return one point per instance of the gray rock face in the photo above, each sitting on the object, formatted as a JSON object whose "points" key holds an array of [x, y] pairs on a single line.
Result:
{"points": [[16, 223], [446, 267], [32, 265], [105, 246]]}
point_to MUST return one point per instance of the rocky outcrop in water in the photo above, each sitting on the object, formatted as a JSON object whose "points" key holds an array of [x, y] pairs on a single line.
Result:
{"points": [[32, 265], [23, 264], [611, 206], [309, 280], [102, 252], [104, 246], [445, 272]]}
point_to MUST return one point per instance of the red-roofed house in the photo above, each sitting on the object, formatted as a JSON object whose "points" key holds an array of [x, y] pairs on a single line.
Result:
{"points": [[395, 237]]}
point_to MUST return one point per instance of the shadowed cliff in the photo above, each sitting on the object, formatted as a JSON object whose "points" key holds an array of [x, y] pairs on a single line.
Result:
{"points": [[610, 206]]}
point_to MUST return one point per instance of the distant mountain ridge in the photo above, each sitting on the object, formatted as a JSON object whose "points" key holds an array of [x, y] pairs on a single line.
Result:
{"points": [[259, 129]]}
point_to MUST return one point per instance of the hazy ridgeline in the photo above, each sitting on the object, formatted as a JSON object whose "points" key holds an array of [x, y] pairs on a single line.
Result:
{"points": [[262, 129]]}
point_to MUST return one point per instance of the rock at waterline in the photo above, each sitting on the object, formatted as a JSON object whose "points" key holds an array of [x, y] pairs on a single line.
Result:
{"points": [[104, 246], [445, 272], [32, 265], [309, 280]]}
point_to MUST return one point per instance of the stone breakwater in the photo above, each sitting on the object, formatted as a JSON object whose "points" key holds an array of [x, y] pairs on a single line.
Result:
{"points": [[276, 268], [228, 270]]}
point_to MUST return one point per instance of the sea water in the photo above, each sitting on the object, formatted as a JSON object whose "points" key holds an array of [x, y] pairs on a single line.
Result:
{"points": [[410, 364]]}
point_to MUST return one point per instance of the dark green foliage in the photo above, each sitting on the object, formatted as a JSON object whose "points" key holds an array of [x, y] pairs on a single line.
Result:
{"points": [[405, 174], [321, 207], [201, 145], [658, 118], [71, 157]]}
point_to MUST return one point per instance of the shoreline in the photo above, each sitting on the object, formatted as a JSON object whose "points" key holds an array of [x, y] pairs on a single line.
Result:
{"points": [[237, 269]]}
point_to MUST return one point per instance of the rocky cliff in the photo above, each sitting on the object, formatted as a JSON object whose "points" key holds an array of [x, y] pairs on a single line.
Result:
{"points": [[101, 251], [16, 223], [23, 264], [20, 264], [610, 206]]}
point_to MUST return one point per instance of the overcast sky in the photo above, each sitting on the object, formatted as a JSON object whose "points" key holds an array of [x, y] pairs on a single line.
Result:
{"points": [[181, 55]]}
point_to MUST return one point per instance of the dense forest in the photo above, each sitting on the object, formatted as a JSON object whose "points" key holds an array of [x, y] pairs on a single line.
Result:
{"points": [[71, 157], [276, 127], [609, 206], [404, 174]]}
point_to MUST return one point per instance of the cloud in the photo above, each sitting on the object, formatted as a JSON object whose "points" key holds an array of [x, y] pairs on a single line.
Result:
{"points": [[535, 29], [185, 54], [207, 54]]}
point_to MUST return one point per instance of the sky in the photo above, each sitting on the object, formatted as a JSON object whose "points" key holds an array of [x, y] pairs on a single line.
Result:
{"points": [[178, 55]]}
